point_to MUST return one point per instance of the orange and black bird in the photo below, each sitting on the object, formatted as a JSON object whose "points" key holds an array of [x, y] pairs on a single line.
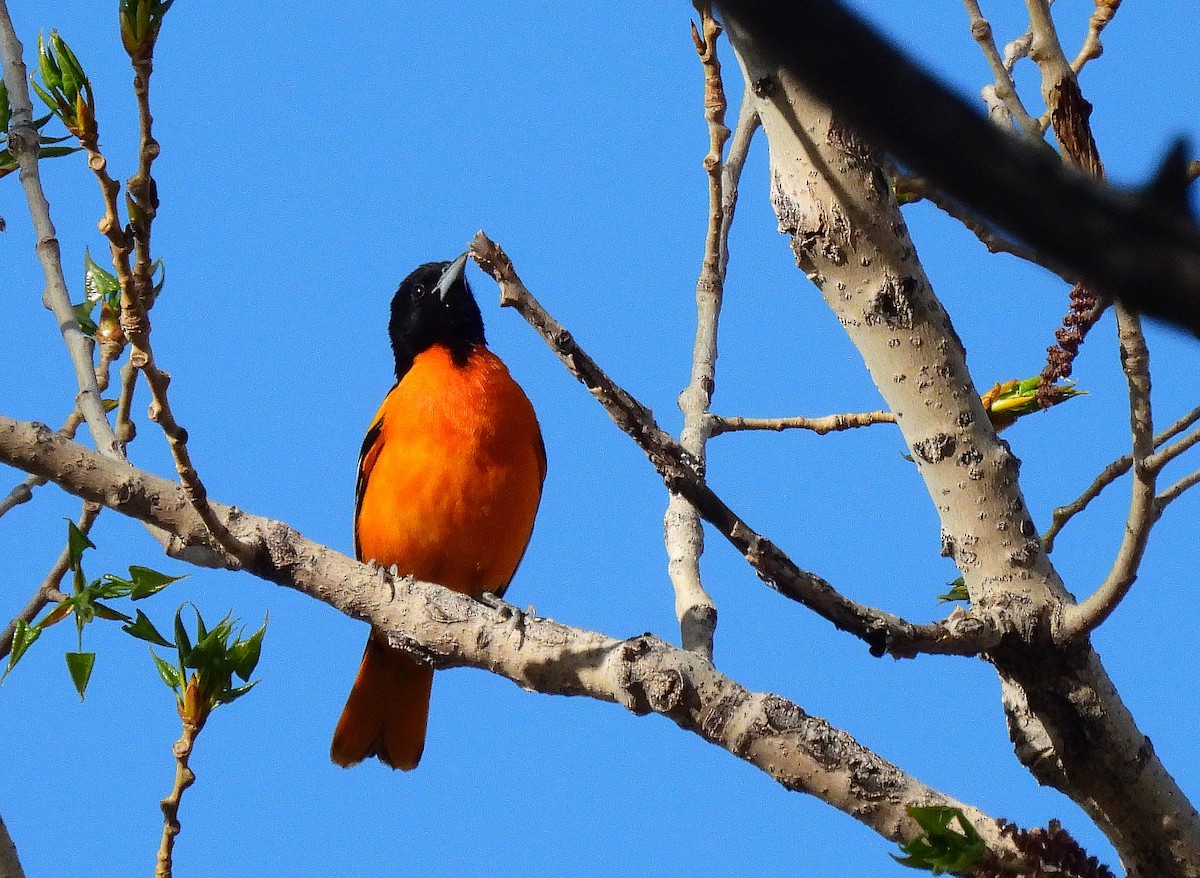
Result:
{"points": [[449, 480]]}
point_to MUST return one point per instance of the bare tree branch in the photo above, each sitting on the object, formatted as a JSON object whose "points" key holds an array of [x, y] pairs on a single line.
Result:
{"points": [[643, 674], [820, 426], [1157, 461], [1092, 48], [1118, 468], [23, 143], [1080, 619], [960, 634], [682, 532], [1003, 86], [1172, 493], [832, 199], [23, 492], [184, 778]]}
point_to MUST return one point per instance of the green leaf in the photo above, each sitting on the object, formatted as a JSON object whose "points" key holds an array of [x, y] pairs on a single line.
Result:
{"points": [[24, 635], [211, 647], [169, 673], [77, 544], [182, 643], [73, 77], [83, 316], [106, 612], [230, 695], [80, 665], [147, 582], [201, 631], [100, 284], [47, 66], [244, 654], [957, 592], [53, 152], [161, 270], [942, 848], [5, 107], [143, 629]]}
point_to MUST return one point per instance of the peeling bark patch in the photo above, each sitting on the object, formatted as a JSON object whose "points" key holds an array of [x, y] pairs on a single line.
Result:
{"points": [[936, 448], [892, 305]]}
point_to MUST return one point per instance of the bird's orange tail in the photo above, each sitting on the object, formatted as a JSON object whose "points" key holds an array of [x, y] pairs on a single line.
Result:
{"points": [[387, 710]]}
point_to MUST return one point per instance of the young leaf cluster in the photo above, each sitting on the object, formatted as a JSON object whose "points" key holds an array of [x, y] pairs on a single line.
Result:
{"points": [[942, 847], [65, 88], [101, 287], [140, 23], [202, 675], [1009, 400], [87, 603]]}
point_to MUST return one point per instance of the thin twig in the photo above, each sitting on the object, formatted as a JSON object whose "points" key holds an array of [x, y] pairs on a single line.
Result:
{"points": [[961, 634], [50, 590], [1160, 459], [1114, 471], [23, 143], [1163, 499], [1004, 88], [1080, 619], [137, 295], [1092, 48], [126, 430], [683, 534], [184, 778], [820, 425]]}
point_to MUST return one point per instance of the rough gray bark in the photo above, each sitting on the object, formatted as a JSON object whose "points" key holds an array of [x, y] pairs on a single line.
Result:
{"points": [[1067, 721], [643, 674]]}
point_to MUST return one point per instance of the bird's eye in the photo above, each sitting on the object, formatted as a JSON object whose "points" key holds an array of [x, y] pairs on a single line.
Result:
{"points": [[420, 290]]}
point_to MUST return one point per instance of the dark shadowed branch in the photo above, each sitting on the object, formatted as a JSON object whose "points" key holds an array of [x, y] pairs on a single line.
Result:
{"points": [[1142, 247]]}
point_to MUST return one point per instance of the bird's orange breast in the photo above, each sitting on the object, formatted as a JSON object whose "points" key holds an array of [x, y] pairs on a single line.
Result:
{"points": [[450, 485]]}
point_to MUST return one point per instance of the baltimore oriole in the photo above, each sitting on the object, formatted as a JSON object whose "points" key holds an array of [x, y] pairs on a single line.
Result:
{"points": [[449, 480]]}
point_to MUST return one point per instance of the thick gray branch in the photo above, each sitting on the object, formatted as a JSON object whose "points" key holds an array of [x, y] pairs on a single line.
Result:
{"points": [[643, 674], [1069, 725]]}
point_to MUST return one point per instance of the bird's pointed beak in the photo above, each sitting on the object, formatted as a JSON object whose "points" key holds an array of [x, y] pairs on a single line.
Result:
{"points": [[452, 274]]}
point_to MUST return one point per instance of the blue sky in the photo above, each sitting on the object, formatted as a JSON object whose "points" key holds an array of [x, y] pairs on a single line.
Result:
{"points": [[309, 161]]}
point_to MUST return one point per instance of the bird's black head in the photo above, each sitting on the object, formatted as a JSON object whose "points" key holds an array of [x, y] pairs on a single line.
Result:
{"points": [[433, 306]]}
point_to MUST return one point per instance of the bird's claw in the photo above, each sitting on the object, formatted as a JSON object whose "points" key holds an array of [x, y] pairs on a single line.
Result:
{"points": [[386, 577], [513, 614]]}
